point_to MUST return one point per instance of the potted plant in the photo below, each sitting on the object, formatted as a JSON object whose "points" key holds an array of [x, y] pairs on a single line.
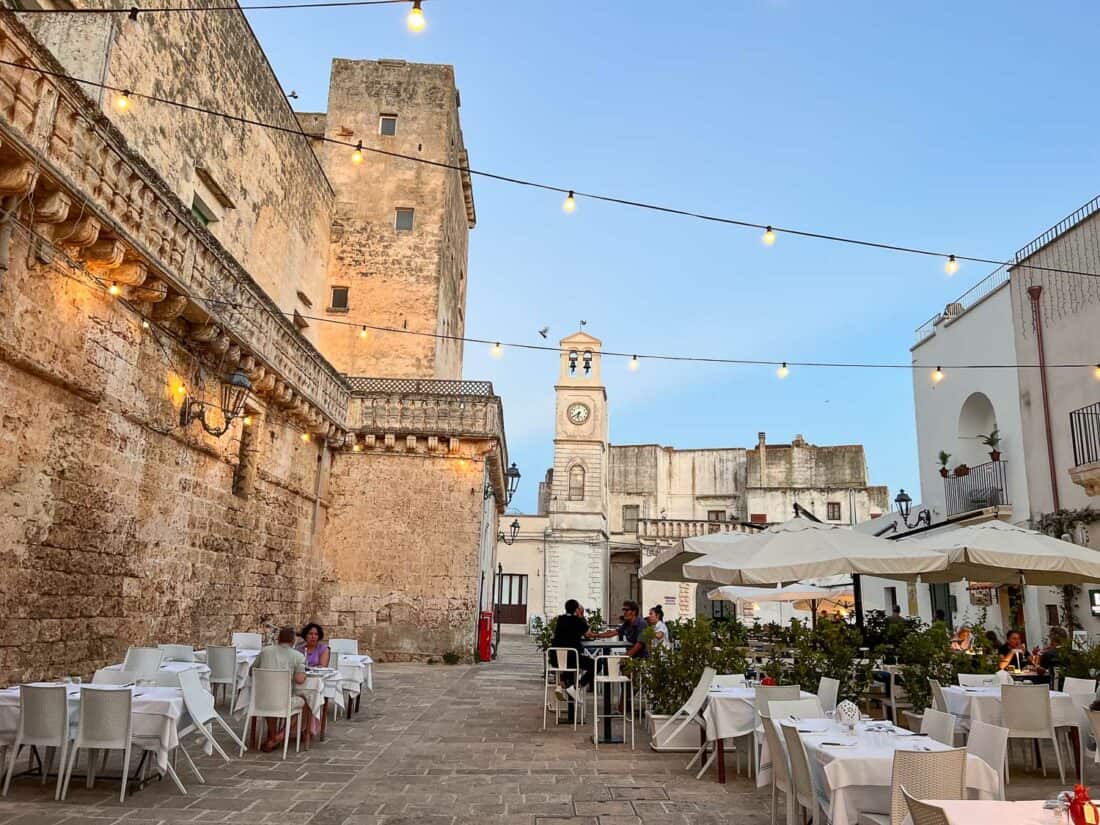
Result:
{"points": [[961, 470], [992, 441], [944, 458]]}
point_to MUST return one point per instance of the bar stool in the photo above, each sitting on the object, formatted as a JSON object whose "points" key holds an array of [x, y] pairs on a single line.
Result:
{"points": [[560, 661], [613, 676]]}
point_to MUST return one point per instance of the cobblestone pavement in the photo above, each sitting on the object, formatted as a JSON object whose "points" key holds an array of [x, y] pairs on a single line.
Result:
{"points": [[437, 745]]}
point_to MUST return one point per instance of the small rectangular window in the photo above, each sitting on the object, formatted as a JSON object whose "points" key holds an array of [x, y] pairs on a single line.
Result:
{"points": [[630, 518], [1052, 615], [890, 596], [832, 511], [338, 300], [403, 219], [716, 515], [202, 212], [759, 518], [387, 125]]}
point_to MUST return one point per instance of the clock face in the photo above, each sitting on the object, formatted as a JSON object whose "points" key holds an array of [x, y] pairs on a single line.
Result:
{"points": [[577, 413]]}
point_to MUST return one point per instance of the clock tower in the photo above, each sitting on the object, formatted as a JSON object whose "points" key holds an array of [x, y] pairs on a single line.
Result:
{"points": [[577, 546]]}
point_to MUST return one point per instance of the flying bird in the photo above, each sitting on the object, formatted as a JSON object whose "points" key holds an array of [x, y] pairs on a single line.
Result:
{"points": [[543, 331], [584, 323]]}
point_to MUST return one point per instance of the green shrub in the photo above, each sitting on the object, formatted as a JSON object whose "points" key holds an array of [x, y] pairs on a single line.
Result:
{"points": [[451, 658]]}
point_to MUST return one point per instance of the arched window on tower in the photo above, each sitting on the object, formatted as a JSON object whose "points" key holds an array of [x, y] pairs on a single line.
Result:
{"points": [[576, 483]]}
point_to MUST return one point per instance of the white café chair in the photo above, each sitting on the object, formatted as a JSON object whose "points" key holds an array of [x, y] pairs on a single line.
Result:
{"points": [[976, 679], [827, 690], [201, 718], [43, 723], [780, 768], [939, 701], [272, 697], [110, 677], [178, 653], [792, 710], [990, 744], [1003, 677], [939, 725], [344, 646], [1092, 718], [144, 661], [106, 724], [613, 676], [1027, 716], [558, 662], [688, 714], [247, 641], [222, 661], [165, 678], [763, 696], [1083, 691], [728, 680], [802, 786], [922, 813], [897, 699], [926, 775]]}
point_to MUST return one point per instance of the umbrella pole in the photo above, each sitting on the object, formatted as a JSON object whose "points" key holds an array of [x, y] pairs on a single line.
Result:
{"points": [[813, 614], [857, 595]]}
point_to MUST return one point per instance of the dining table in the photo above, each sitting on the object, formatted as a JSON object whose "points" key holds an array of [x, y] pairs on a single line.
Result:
{"points": [[983, 704], [853, 769], [246, 658], [598, 648], [178, 667], [730, 713], [995, 812], [156, 713]]}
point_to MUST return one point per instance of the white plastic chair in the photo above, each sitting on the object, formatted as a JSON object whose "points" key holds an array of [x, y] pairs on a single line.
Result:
{"points": [[144, 661], [272, 698], [976, 679], [344, 646], [613, 676], [1003, 677], [201, 713], [729, 680], [178, 653], [780, 769], [922, 813], [1027, 716], [106, 724], [43, 723], [763, 696], [222, 661], [940, 726], [109, 676], [1093, 719], [897, 699], [926, 775], [792, 710], [803, 786], [247, 641], [939, 701], [164, 678], [561, 661], [1083, 691], [689, 713], [827, 690], [990, 744]]}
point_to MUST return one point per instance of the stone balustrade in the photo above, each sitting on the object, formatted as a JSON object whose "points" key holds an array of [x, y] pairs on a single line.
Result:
{"points": [[661, 528]]}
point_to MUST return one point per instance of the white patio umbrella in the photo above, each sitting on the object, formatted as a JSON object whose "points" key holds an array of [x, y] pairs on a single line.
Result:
{"points": [[668, 565], [804, 549], [797, 592], [1001, 553]]}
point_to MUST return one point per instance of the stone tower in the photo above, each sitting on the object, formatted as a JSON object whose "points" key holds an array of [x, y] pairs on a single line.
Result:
{"points": [[400, 229], [576, 554]]}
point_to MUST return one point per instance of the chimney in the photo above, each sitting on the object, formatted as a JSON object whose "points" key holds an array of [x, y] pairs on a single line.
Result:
{"points": [[762, 457]]}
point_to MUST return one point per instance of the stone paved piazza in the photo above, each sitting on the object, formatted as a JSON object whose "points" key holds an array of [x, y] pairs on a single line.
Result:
{"points": [[438, 745]]}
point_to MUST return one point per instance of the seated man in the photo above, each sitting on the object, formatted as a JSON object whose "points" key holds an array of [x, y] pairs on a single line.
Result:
{"points": [[570, 629], [282, 656], [630, 631]]}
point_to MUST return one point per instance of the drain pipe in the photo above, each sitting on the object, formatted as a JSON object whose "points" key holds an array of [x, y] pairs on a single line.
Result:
{"points": [[1033, 292]]}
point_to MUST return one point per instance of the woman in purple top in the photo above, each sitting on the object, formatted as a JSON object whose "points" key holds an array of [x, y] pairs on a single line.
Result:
{"points": [[315, 651]]}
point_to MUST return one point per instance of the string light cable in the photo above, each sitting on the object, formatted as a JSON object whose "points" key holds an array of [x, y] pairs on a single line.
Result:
{"points": [[572, 195], [134, 11]]}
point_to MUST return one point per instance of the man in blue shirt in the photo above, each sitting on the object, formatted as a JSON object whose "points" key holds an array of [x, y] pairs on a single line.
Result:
{"points": [[630, 631]]}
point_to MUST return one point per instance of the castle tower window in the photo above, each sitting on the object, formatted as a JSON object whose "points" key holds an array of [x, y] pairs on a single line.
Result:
{"points": [[403, 219], [576, 483], [387, 125], [630, 518], [338, 299], [832, 512]]}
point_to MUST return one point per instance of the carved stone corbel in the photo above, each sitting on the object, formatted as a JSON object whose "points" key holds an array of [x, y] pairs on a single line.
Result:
{"points": [[150, 292], [104, 255], [17, 178], [248, 366], [195, 314], [219, 346], [52, 207], [265, 384], [232, 356], [76, 233], [131, 273], [170, 308], [204, 333]]}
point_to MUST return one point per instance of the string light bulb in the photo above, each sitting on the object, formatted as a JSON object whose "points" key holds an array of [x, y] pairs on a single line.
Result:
{"points": [[357, 447], [769, 236], [113, 290], [122, 102], [783, 371], [634, 364], [305, 438], [181, 390], [357, 155], [415, 21], [1096, 372], [569, 205], [247, 420], [363, 332], [144, 323], [937, 375], [496, 351], [952, 266]]}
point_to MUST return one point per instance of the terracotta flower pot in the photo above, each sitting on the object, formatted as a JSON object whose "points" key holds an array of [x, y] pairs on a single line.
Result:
{"points": [[944, 472], [962, 470], [994, 455]]}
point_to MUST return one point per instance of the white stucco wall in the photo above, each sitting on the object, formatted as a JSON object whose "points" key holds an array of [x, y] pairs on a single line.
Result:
{"points": [[527, 555]]}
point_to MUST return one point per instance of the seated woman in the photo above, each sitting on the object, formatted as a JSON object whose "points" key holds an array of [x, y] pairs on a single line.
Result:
{"points": [[1013, 652], [316, 651], [1050, 657], [964, 640]]}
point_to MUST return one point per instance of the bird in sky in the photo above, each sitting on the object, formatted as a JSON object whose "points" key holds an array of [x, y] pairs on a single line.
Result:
{"points": [[543, 331]]}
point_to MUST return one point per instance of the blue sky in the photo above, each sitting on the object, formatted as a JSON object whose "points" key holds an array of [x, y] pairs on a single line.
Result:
{"points": [[966, 127]]}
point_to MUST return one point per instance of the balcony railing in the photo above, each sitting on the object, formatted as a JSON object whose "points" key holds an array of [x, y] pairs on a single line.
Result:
{"points": [[984, 486], [1084, 426], [677, 528]]}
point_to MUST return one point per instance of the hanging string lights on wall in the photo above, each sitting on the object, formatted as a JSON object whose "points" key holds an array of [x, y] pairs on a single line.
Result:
{"points": [[415, 20]]}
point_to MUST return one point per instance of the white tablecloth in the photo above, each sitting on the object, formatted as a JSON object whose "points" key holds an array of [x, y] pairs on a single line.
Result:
{"points": [[357, 671], [178, 667], [984, 705], [857, 778], [993, 812], [156, 713]]}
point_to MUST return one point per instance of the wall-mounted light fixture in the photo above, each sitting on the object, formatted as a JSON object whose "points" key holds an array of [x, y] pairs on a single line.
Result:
{"points": [[905, 507], [511, 483], [235, 390], [513, 531]]}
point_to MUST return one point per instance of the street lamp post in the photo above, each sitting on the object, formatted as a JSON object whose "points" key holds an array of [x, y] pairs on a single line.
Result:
{"points": [[905, 507]]}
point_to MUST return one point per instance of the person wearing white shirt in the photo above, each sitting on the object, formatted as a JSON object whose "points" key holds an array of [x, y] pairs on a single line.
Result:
{"points": [[656, 619]]}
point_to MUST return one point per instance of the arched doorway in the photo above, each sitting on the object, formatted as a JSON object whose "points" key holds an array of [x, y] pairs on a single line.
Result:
{"points": [[976, 419]]}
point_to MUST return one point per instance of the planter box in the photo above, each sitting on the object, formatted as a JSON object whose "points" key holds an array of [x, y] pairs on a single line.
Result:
{"points": [[912, 720], [687, 741]]}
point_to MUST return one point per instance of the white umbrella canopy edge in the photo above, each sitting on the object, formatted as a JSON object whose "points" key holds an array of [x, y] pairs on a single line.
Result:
{"points": [[667, 566]]}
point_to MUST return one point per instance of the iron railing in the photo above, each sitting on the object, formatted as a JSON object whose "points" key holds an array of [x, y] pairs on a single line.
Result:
{"points": [[1064, 225], [413, 386], [984, 287], [1084, 426], [984, 486]]}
